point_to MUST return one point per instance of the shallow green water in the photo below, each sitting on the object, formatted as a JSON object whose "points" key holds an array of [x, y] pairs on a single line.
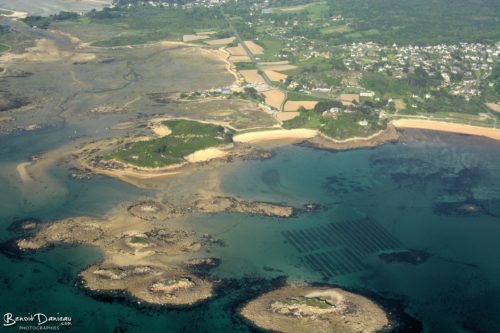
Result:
{"points": [[385, 199]]}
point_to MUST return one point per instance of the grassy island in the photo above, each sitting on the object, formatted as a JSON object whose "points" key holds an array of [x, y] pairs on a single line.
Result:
{"points": [[185, 138]]}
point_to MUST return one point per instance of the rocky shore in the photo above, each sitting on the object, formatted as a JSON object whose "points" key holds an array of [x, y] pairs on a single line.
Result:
{"points": [[145, 256], [390, 134], [315, 309]]}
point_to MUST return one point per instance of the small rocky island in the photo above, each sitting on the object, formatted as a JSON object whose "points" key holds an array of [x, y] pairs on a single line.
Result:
{"points": [[145, 257], [315, 309]]}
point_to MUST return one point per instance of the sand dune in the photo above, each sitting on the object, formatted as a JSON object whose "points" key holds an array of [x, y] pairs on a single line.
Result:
{"points": [[492, 133]]}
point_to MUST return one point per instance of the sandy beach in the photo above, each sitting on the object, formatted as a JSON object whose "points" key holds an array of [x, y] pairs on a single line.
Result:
{"points": [[159, 129], [492, 133], [273, 135], [206, 155]]}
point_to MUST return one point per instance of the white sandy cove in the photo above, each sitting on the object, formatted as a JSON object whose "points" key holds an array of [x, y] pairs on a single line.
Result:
{"points": [[279, 134], [492, 133], [206, 155]]}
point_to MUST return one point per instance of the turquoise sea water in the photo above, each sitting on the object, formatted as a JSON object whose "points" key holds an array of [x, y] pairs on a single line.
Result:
{"points": [[397, 197]]}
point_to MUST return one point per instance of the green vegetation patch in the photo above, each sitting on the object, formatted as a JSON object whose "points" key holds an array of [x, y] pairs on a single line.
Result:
{"points": [[298, 96], [141, 24], [419, 22], [245, 65], [335, 29], [316, 302], [4, 48], [187, 137], [138, 240], [272, 48], [344, 126]]}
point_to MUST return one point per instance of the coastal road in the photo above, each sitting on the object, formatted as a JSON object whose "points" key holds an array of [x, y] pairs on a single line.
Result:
{"points": [[254, 60]]}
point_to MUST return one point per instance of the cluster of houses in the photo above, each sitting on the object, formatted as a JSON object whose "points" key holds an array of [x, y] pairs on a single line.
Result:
{"points": [[462, 68], [179, 4]]}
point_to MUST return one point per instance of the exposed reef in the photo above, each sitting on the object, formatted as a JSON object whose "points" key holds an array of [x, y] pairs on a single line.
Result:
{"points": [[146, 257], [315, 309]]}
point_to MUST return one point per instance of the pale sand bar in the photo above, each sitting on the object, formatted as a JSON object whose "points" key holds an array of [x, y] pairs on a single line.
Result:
{"points": [[23, 173], [272, 135], [433, 125]]}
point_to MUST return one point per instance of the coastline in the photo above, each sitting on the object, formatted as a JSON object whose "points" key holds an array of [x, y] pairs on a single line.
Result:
{"points": [[441, 126], [390, 134], [245, 142]]}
